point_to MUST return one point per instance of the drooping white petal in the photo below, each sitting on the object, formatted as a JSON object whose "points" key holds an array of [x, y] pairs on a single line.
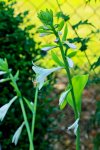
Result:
{"points": [[63, 96], [42, 73], [4, 108], [71, 45], [47, 48], [74, 126], [43, 34], [17, 134], [2, 72], [70, 62]]}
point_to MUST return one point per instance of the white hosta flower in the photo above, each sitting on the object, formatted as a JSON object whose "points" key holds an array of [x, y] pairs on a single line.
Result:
{"points": [[44, 34], [17, 134], [42, 73], [59, 33], [74, 126], [2, 72], [4, 108], [47, 48], [70, 62], [71, 45], [63, 96]]}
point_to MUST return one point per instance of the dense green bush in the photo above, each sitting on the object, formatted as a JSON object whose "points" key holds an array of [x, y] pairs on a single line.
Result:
{"points": [[18, 46]]}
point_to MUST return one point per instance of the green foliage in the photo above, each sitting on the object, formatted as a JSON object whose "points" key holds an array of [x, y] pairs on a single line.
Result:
{"points": [[76, 26], [46, 17], [78, 89], [96, 142], [63, 16], [65, 33], [29, 104], [61, 25], [79, 83], [72, 54], [3, 65], [18, 46], [96, 64], [56, 59]]}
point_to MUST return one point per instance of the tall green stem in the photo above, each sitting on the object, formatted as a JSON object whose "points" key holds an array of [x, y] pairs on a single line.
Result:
{"points": [[70, 81], [34, 114], [23, 110], [26, 123]]}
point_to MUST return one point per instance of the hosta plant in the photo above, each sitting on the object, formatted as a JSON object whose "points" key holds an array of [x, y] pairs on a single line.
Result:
{"points": [[73, 91]]}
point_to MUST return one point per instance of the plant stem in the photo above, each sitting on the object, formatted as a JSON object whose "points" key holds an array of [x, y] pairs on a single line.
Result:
{"points": [[23, 110], [26, 124], [70, 81], [34, 114]]}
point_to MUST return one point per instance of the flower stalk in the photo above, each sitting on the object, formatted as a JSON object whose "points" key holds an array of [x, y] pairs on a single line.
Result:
{"points": [[23, 110], [34, 114], [70, 82]]}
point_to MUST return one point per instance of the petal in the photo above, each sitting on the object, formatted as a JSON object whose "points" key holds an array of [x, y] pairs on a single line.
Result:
{"points": [[63, 96], [48, 48], [70, 62], [71, 45], [74, 126], [2, 72], [42, 73], [17, 134], [4, 108]]}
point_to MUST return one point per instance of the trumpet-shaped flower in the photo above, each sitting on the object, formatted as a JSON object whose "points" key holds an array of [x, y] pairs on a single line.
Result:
{"points": [[17, 134], [63, 96], [42, 73], [74, 126], [4, 108], [70, 45]]}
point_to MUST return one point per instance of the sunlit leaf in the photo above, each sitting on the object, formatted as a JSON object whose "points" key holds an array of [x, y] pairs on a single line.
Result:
{"points": [[79, 83], [56, 59], [65, 33], [72, 54], [61, 25], [29, 104]]}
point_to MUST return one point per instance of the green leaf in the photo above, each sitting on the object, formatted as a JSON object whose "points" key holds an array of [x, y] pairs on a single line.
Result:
{"points": [[30, 106], [65, 33], [56, 59], [72, 54], [78, 83], [16, 76], [62, 106], [95, 64], [61, 25], [85, 22], [3, 65]]}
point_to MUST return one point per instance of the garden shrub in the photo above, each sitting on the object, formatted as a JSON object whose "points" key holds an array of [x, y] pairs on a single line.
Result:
{"points": [[18, 46]]}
